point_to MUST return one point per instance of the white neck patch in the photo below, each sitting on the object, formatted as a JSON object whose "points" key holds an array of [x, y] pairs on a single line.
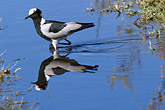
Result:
{"points": [[42, 21]]}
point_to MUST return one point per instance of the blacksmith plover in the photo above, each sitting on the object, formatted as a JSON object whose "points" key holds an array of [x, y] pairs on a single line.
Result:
{"points": [[54, 31]]}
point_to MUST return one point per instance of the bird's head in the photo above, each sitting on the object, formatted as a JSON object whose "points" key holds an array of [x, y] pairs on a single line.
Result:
{"points": [[34, 13], [40, 85]]}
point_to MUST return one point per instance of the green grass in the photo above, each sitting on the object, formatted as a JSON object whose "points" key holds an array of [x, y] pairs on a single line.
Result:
{"points": [[150, 14]]}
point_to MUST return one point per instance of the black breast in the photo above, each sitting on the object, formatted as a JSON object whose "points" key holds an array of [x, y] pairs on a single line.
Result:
{"points": [[38, 29]]}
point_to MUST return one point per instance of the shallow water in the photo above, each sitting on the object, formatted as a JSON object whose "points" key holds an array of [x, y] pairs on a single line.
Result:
{"points": [[129, 75]]}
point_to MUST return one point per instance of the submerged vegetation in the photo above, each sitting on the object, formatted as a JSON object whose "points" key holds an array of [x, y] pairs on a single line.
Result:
{"points": [[150, 14], [10, 99]]}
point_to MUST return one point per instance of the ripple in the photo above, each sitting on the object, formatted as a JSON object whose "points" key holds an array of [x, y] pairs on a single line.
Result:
{"points": [[104, 46]]}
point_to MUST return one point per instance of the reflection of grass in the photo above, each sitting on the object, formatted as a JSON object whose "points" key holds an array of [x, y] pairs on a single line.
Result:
{"points": [[6, 71], [9, 98], [150, 13], [159, 98]]}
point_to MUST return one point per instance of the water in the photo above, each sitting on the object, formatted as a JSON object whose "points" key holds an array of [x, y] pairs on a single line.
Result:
{"points": [[129, 75]]}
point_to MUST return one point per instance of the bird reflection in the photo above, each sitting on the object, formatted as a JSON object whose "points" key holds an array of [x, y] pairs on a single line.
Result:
{"points": [[57, 65]]}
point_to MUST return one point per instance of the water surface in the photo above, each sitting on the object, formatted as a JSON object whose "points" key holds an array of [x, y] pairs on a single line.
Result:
{"points": [[129, 75]]}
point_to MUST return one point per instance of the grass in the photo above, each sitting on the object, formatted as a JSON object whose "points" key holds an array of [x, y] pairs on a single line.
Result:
{"points": [[150, 14], [10, 99]]}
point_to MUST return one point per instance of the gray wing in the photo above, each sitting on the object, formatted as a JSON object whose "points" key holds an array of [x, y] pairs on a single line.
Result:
{"points": [[59, 70], [56, 26]]}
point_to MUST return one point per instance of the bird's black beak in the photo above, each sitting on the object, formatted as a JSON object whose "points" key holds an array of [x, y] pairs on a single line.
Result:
{"points": [[33, 82], [28, 17]]}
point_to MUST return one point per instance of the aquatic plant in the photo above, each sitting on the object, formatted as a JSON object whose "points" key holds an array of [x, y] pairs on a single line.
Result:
{"points": [[10, 100], [150, 13], [6, 71]]}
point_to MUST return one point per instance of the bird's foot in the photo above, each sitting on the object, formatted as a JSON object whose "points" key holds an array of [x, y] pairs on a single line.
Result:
{"points": [[66, 49], [51, 48]]}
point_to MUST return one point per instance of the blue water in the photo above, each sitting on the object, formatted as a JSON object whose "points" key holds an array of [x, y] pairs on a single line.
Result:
{"points": [[128, 76]]}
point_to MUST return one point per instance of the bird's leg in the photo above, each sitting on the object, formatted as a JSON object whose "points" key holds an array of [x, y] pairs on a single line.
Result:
{"points": [[66, 43], [55, 44], [69, 43], [56, 54]]}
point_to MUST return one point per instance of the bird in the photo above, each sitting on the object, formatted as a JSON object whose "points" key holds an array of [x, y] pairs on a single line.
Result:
{"points": [[58, 65], [55, 31]]}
